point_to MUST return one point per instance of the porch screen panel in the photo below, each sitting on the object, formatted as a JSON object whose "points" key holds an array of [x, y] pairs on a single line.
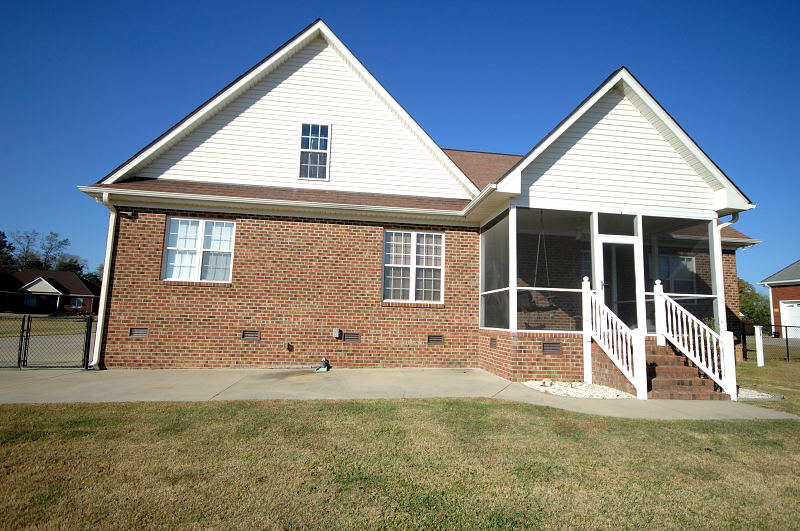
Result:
{"points": [[553, 251], [678, 252], [494, 273]]}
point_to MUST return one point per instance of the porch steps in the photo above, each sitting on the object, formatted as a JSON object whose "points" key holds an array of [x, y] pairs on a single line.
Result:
{"points": [[670, 375]]}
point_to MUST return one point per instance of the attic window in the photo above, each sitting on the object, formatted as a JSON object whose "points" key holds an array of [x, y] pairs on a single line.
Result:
{"points": [[314, 151]]}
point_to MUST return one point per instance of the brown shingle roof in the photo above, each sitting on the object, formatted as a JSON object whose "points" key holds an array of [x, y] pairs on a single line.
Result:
{"points": [[67, 282], [480, 167], [287, 194]]}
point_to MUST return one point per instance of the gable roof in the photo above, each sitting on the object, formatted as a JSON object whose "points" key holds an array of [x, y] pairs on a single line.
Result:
{"points": [[731, 200], [788, 274], [317, 29], [66, 282]]}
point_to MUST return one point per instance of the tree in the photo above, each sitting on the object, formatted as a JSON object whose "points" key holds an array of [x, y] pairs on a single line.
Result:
{"points": [[27, 256], [94, 277], [52, 249], [6, 254], [70, 262], [752, 304]]}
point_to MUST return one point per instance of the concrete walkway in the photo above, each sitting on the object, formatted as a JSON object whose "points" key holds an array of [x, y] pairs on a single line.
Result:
{"points": [[63, 385]]}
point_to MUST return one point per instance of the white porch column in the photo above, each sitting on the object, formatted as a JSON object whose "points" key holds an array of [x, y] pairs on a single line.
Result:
{"points": [[512, 269], [586, 306], [660, 313], [596, 247], [717, 277], [638, 261]]}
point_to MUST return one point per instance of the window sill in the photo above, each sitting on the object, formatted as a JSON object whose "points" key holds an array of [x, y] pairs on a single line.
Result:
{"points": [[199, 284], [394, 304]]}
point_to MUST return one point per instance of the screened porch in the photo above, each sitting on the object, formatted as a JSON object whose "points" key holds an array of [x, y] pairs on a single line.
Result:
{"points": [[549, 252]]}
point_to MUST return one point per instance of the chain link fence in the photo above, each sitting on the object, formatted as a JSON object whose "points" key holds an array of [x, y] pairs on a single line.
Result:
{"points": [[45, 342], [780, 343]]}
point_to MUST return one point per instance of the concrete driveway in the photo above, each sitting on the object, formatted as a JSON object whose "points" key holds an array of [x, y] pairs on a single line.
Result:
{"points": [[63, 386]]}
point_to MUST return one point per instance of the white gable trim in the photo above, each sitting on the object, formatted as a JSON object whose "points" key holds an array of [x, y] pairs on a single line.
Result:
{"points": [[728, 197], [249, 78], [39, 280]]}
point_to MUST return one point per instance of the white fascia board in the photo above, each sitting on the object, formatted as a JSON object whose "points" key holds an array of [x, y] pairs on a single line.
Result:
{"points": [[779, 282], [512, 180], [40, 279], [317, 29], [398, 110], [249, 205], [214, 104]]}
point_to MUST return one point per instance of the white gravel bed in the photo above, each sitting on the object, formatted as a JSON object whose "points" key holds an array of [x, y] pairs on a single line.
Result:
{"points": [[752, 394], [577, 389]]}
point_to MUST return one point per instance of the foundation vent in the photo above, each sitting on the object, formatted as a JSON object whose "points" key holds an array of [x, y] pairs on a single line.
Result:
{"points": [[493, 342], [251, 334], [351, 337], [139, 332], [436, 339], [551, 348]]}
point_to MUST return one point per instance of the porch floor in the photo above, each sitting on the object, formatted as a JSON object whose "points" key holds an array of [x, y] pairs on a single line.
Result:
{"points": [[189, 385]]}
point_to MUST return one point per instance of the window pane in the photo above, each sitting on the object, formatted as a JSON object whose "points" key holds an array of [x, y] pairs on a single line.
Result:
{"points": [[549, 310], [323, 131], [494, 310], [428, 284], [397, 248], [180, 264], [323, 144], [306, 129], [218, 235], [182, 233], [314, 130], [304, 143], [429, 250], [216, 266], [494, 254], [396, 283]]}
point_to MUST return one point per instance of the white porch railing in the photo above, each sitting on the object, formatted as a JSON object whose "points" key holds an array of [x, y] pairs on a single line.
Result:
{"points": [[625, 347], [713, 353]]}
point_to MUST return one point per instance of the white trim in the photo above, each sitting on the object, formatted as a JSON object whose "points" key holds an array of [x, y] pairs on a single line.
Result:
{"points": [[512, 180], [34, 281], [532, 331], [199, 250], [771, 310], [327, 152], [317, 29], [572, 290], [412, 267], [780, 283], [513, 313], [104, 288]]}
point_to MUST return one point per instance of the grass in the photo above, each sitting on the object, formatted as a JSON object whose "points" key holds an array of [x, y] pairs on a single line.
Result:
{"points": [[45, 325], [775, 377], [388, 464]]}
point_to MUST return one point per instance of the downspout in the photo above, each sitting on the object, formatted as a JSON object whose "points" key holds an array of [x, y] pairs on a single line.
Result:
{"points": [[101, 310]]}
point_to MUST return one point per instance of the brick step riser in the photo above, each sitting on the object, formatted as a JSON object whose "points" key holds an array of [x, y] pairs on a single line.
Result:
{"points": [[681, 384], [688, 395], [666, 360], [672, 371]]}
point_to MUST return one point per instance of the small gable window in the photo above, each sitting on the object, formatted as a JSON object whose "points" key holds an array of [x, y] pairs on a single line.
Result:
{"points": [[314, 151]]}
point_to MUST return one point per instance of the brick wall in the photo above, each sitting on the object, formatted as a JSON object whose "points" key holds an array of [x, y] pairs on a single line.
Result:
{"points": [[783, 293], [519, 356], [294, 280]]}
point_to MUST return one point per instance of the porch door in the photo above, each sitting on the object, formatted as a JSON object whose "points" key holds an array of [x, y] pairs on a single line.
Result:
{"points": [[619, 281]]}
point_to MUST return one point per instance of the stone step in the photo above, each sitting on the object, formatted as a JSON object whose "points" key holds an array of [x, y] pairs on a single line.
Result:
{"points": [[672, 371], [681, 384], [688, 395]]}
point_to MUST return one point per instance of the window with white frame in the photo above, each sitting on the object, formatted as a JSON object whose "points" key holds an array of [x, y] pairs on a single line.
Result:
{"points": [[75, 302], [413, 266], [677, 273], [314, 151], [198, 250]]}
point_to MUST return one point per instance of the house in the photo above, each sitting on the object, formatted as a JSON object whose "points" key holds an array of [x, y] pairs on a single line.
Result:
{"points": [[784, 300], [302, 213], [40, 291]]}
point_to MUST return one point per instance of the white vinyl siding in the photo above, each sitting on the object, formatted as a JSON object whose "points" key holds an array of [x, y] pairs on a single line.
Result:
{"points": [[254, 139], [613, 159], [413, 266], [198, 250]]}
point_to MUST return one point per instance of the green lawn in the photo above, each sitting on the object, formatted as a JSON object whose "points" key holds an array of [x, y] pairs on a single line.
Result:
{"points": [[44, 325], [776, 377], [398, 464]]}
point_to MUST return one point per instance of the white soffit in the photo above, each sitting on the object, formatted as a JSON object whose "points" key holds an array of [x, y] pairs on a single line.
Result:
{"points": [[316, 30], [729, 197]]}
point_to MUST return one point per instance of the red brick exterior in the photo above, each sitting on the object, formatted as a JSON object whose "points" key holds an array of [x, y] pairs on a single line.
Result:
{"points": [[294, 280], [783, 293]]}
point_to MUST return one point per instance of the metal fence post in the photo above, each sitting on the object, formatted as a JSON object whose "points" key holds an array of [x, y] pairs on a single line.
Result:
{"points": [[87, 341], [759, 345], [21, 341]]}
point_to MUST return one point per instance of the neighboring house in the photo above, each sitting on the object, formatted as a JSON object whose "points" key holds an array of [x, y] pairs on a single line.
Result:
{"points": [[39, 291], [784, 299], [302, 213]]}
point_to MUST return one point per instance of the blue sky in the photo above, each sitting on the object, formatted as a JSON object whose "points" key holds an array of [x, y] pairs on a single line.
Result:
{"points": [[87, 84]]}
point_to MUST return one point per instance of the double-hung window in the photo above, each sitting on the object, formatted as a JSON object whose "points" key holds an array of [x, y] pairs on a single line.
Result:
{"points": [[677, 273], [198, 250], [314, 151], [413, 265]]}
